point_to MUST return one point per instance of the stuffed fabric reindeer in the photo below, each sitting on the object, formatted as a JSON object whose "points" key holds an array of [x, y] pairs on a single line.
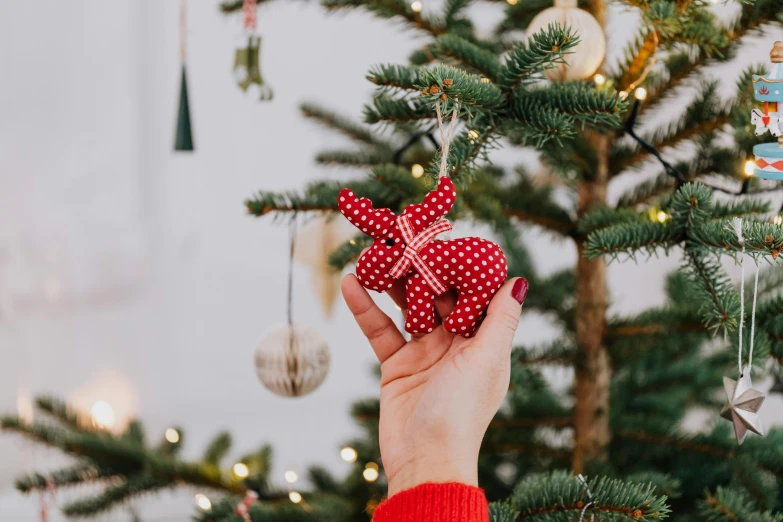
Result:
{"points": [[405, 247]]}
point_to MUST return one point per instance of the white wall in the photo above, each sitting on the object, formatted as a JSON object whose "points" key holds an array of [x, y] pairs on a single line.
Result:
{"points": [[131, 273]]}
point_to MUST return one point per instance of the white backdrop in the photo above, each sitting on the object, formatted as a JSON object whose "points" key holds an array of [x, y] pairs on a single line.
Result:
{"points": [[132, 274]]}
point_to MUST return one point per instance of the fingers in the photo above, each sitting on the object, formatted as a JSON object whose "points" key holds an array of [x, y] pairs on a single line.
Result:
{"points": [[498, 329], [379, 329]]}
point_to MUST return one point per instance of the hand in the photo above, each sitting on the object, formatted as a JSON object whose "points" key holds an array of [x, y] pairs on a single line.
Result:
{"points": [[439, 391]]}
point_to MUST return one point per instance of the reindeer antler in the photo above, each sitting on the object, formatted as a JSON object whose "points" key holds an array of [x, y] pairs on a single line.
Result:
{"points": [[437, 204], [362, 215]]}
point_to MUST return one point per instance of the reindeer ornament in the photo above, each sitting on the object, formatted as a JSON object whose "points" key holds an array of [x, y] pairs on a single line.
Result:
{"points": [[405, 247]]}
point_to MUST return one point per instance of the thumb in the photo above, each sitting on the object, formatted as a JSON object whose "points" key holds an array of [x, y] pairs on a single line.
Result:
{"points": [[500, 325]]}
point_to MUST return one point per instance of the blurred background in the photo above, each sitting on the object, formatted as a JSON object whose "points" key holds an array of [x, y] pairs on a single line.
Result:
{"points": [[131, 274]]}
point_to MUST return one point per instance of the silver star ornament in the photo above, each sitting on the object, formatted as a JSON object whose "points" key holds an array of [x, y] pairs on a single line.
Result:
{"points": [[743, 406]]}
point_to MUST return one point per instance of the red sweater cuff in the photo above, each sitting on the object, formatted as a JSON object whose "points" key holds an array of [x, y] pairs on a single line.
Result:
{"points": [[451, 502]]}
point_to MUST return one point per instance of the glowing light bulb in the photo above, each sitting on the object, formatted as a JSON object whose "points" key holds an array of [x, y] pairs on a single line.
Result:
{"points": [[640, 94], [662, 216], [172, 435], [295, 497], [241, 470], [417, 170], [473, 134], [416, 6], [599, 79], [102, 415], [203, 502], [371, 474], [750, 167], [778, 220], [291, 476], [348, 454], [623, 94]]}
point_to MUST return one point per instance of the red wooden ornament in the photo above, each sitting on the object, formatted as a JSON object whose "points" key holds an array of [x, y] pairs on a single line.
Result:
{"points": [[404, 247]]}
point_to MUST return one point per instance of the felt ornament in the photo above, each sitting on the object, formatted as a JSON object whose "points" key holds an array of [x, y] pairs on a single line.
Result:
{"points": [[588, 54], [405, 247]]}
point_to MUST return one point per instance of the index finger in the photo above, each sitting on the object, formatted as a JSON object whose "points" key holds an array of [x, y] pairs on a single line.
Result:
{"points": [[379, 329]]}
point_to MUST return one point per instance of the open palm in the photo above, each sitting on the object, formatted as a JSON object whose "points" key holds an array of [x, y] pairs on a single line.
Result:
{"points": [[439, 391]]}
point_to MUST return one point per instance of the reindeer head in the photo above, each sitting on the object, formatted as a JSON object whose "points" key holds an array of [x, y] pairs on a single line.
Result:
{"points": [[374, 265]]}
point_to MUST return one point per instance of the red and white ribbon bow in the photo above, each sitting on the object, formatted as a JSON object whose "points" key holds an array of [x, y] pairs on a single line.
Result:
{"points": [[415, 243]]}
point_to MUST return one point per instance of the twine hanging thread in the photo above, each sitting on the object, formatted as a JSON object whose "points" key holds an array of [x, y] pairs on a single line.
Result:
{"points": [[736, 226], [445, 137]]}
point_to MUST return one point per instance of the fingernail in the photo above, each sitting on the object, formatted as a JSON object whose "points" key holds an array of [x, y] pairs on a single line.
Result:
{"points": [[519, 291]]}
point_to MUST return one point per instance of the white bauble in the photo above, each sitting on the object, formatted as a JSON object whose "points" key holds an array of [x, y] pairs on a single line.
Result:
{"points": [[292, 360], [588, 54]]}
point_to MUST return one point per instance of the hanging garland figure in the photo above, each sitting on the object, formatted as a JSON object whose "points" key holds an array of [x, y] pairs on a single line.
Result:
{"points": [[247, 70]]}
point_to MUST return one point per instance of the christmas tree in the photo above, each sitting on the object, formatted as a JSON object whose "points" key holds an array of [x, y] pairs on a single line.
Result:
{"points": [[612, 446]]}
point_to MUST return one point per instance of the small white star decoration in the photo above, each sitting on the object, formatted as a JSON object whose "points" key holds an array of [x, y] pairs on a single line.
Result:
{"points": [[743, 406]]}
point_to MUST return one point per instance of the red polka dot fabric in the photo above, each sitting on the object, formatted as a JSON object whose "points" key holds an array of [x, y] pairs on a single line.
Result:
{"points": [[475, 268]]}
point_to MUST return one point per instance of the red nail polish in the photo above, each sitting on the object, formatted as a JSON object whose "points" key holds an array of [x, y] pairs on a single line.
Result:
{"points": [[519, 291]]}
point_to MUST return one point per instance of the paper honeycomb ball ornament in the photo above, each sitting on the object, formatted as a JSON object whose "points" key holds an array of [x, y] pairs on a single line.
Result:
{"points": [[405, 247], [588, 54], [292, 360]]}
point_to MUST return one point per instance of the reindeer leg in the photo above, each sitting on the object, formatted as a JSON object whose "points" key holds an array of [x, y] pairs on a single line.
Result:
{"points": [[421, 306], [464, 319]]}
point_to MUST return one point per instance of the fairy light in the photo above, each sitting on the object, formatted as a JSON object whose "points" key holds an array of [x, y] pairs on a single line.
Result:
{"points": [[640, 94], [370, 472], [348, 454], [599, 79], [102, 415], [291, 476], [295, 497], [172, 435], [778, 220], [417, 170], [416, 6], [241, 470], [203, 502], [750, 167], [661, 216]]}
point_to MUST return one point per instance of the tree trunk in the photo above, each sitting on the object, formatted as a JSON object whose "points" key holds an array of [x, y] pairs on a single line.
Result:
{"points": [[593, 368]]}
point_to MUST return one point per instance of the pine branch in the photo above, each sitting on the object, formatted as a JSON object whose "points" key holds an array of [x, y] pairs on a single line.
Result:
{"points": [[352, 158], [527, 60], [399, 9], [346, 126], [468, 54], [395, 77], [729, 505], [560, 496]]}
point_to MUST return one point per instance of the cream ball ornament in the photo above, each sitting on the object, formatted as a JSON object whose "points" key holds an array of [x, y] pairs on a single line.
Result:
{"points": [[292, 360], [588, 54]]}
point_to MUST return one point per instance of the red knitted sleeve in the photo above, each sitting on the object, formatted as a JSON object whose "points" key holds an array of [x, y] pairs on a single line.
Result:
{"points": [[450, 502]]}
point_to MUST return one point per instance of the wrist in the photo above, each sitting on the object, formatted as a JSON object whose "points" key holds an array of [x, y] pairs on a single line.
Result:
{"points": [[437, 468]]}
